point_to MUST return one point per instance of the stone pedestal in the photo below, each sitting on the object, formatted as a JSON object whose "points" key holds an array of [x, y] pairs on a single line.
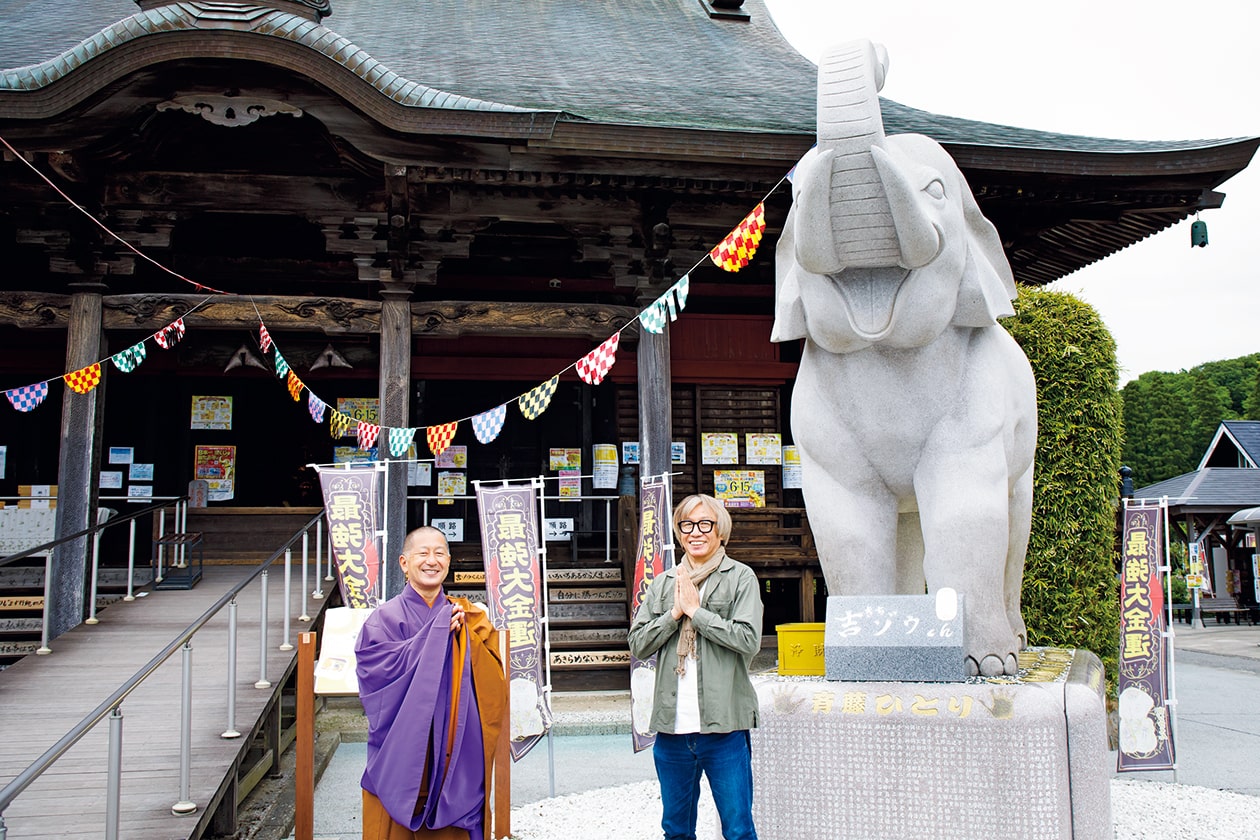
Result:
{"points": [[1018, 758]]}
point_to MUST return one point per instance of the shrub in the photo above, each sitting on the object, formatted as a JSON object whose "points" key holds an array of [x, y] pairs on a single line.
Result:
{"points": [[1070, 594]]}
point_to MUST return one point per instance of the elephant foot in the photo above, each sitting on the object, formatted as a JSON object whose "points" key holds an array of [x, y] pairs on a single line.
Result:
{"points": [[993, 665]]}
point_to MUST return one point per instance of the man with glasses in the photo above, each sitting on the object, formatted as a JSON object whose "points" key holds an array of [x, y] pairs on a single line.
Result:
{"points": [[703, 619], [432, 687]]}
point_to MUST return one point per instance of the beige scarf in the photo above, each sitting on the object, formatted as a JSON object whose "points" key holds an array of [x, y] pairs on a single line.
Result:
{"points": [[698, 575]]}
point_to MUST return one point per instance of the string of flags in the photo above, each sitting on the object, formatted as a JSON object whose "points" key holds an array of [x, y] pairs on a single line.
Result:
{"points": [[735, 251]]}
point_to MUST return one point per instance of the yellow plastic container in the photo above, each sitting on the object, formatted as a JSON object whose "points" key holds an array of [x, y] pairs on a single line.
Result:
{"points": [[801, 649]]}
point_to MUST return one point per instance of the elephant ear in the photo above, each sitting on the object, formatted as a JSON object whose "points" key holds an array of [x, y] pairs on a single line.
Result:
{"points": [[988, 286], [789, 311]]}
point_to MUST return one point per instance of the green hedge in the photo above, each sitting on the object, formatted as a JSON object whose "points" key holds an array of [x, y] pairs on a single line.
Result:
{"points": [[1070, 596]]}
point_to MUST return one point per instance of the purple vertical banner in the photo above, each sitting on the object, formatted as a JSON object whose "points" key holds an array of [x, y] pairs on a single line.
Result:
{"points": [[1146, 738], [350, 506], [509, 545], [653, 558]]}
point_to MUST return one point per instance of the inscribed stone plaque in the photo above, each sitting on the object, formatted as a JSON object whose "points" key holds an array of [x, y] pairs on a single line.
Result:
{"points": [[895, 638]]}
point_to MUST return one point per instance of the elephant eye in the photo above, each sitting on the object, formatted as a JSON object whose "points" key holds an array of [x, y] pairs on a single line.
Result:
{"points": [[935, 189]]}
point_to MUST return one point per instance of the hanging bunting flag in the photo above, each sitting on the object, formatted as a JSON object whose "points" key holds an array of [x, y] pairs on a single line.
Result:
{"points": [[282, 367], [315, 406], [400, 441], [653, 317], [84, 379], [295, 386], [367, 433], [594, 366], [169, 336], [28, 396], [128, 360], [681, 289], [264, 337], [737, 249], [488, 424], [339, 424], [440, 437], [536, 401]]}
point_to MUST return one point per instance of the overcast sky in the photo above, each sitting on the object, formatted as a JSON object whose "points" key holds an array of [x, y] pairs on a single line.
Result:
{"points": [[1153, 70]]}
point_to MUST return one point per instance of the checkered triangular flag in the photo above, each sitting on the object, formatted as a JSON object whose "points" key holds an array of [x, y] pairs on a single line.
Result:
{"points": [[85, 379], [339, 424], [737, 249], [28, 396], [440, 437], [128, 360], [536, 401], [594, 366], [169, 336], [400, 441], [264, 337], [488, 424], [681, 289], [295, 386], [367, 434], [653, 317], [282, 367], [315, 406]]}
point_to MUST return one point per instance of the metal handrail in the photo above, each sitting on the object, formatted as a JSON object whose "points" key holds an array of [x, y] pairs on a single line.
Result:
{"points": [[101, 526], [37, 768]]}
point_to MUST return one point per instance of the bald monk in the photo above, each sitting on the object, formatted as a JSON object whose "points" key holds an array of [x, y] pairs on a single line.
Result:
{"points": [[432, 686]]}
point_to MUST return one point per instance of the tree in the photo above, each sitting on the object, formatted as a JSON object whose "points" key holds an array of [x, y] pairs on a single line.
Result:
{"points": [[1070, 596]]}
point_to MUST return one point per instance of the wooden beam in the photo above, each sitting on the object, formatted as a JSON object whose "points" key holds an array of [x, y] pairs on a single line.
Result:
{"points": [[331, 315]]}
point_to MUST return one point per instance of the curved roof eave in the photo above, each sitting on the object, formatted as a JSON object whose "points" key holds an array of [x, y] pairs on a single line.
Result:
{"points": [[295, 43]]}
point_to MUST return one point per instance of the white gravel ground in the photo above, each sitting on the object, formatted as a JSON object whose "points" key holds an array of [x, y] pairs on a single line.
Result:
{"points": [[1140, 809]]}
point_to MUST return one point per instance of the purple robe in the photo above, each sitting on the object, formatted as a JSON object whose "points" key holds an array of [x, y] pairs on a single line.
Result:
{"points": [[405, 672]]}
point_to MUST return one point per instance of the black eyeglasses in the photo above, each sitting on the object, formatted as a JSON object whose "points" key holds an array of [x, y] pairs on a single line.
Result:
{"points": [[704, 526]]}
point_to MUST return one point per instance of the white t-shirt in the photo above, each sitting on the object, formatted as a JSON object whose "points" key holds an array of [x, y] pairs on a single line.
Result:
{"points": [[687, 713]]}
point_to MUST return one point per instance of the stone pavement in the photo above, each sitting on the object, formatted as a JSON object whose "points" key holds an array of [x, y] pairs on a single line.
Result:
{"points": [[1217, 738]]}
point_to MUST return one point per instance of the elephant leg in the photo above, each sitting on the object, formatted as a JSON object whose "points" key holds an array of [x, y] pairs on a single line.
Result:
{"points": [[853, 526], [1017, 548], [909, 554], [963, 503]]}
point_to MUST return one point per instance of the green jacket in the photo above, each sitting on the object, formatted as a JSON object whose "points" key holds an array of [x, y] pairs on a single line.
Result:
{"points": [[728, 635]]}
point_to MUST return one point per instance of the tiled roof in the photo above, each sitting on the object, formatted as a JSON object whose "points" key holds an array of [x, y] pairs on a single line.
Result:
{"points": [[1211, 487], [658, 63]]}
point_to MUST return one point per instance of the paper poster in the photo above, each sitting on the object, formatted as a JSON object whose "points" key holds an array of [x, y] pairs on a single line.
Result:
{"points": [[121, 454], [217, 466], [740, 488], [764, 448], [453, 458], [604, 456], [139, 492], [140, 472], [557, 529], [359, 409], [678, 452], [630, 452], [211, 413], [719, 448], [791, 468], [451, 484], [570, 485], [565, 459], [353, 455], [419, 474], [452, 529], [111, 480]]}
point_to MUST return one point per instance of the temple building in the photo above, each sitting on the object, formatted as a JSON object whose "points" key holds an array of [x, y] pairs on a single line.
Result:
{"points": [[439, 207]]}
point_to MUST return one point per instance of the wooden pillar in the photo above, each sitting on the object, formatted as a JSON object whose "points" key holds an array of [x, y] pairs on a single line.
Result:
{"points": [[656, 427], [79, 459], [395, 411]]}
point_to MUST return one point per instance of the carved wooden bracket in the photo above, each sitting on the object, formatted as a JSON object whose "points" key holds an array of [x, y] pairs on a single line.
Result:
{"points": [[231, 111]]}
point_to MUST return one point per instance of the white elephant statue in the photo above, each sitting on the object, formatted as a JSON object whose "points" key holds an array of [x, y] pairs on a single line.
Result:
{"points": [[914, 412]]}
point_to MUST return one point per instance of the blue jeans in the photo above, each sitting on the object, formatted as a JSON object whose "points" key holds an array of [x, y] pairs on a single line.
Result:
{"points": [[726, 758]]}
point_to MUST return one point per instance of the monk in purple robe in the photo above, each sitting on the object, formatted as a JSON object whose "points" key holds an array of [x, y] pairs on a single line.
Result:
{"points": [[431, 683]]}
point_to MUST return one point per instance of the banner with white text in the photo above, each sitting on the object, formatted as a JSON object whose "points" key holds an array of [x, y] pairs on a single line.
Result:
{"points": [[654, 556], [350, 506]]}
